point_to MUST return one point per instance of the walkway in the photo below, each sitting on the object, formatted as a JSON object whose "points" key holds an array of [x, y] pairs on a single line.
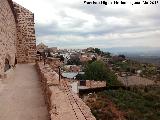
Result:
{"points": [[21, 97]]}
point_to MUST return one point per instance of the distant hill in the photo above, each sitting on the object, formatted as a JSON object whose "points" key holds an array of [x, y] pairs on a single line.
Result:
{"points": [[134, 51], [140, 54], [146, 59]]}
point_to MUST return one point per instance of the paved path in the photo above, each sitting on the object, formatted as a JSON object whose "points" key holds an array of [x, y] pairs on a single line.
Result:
{"points": [[21, 97]]}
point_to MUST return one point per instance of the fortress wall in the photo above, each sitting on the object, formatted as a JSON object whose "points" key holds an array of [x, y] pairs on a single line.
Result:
{"points": [[26, 40], [59, 97], [8, 35]]}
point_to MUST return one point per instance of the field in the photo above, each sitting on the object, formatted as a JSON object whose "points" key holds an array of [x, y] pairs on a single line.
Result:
{"points": [[136, 80], [137, 104]]}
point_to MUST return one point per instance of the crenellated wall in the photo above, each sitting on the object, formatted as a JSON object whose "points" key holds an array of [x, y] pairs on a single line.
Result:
{"points": [[26, 40], [8, 35]]}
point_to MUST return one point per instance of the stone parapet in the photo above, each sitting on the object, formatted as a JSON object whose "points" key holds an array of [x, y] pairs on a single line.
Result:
{"points": [[48, 78], [62, 103]]}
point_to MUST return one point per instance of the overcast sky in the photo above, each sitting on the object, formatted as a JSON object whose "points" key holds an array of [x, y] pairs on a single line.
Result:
{"points": [[73, 24]]}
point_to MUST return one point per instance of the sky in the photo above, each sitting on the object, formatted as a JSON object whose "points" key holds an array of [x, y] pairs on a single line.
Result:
{"points": [[75, 24]]}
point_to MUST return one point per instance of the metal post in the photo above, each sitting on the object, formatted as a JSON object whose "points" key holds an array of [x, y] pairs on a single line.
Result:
{"points": [[44, 61], [44, 57], [59, 74]]}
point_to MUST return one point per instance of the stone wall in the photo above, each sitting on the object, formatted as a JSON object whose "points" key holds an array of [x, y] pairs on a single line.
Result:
{"points": [[17, 35], [95, 84], [8, 35], [54, 63], [59, 98], [26, 41]]}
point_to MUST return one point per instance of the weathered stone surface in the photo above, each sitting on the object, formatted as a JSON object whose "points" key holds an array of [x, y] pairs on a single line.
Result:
{"points": [[26, 41], [17, 35], [8, 35], [62, 103]]}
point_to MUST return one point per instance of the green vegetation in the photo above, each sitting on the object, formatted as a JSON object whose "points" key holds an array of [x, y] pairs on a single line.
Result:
{"points": [[122, 56], [143, 106], [98, 71], [101, 53], [106, 54], [74, 61], [98, 51], [121, 66], [138, 104], [61, 58], [131, 67], [150, 71]]}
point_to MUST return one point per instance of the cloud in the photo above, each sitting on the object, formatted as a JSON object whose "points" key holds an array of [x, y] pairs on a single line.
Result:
{"points": [[73, 24]]}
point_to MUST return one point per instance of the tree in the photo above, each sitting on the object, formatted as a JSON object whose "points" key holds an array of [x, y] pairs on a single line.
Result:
{"points": [[97, 50], [75, 61], [61, 58], [95, 71], [106, 54], [80, 77], [122, 56], [48, 53], [93, 59], [98, 71]]}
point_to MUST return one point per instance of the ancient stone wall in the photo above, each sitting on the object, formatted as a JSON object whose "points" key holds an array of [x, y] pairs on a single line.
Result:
{"points": [[26, 41], [8, 35], [54, 63], [62, 103]]}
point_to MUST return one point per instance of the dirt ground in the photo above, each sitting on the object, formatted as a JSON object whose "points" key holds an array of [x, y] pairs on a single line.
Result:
{"points": [[135, 80]]}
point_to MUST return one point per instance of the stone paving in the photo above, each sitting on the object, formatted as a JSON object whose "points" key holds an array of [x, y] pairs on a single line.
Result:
{"points": [[21, 96]]}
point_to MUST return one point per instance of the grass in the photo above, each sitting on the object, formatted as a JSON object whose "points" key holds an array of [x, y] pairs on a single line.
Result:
{"points": [[139, 105], [144, 106]]}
